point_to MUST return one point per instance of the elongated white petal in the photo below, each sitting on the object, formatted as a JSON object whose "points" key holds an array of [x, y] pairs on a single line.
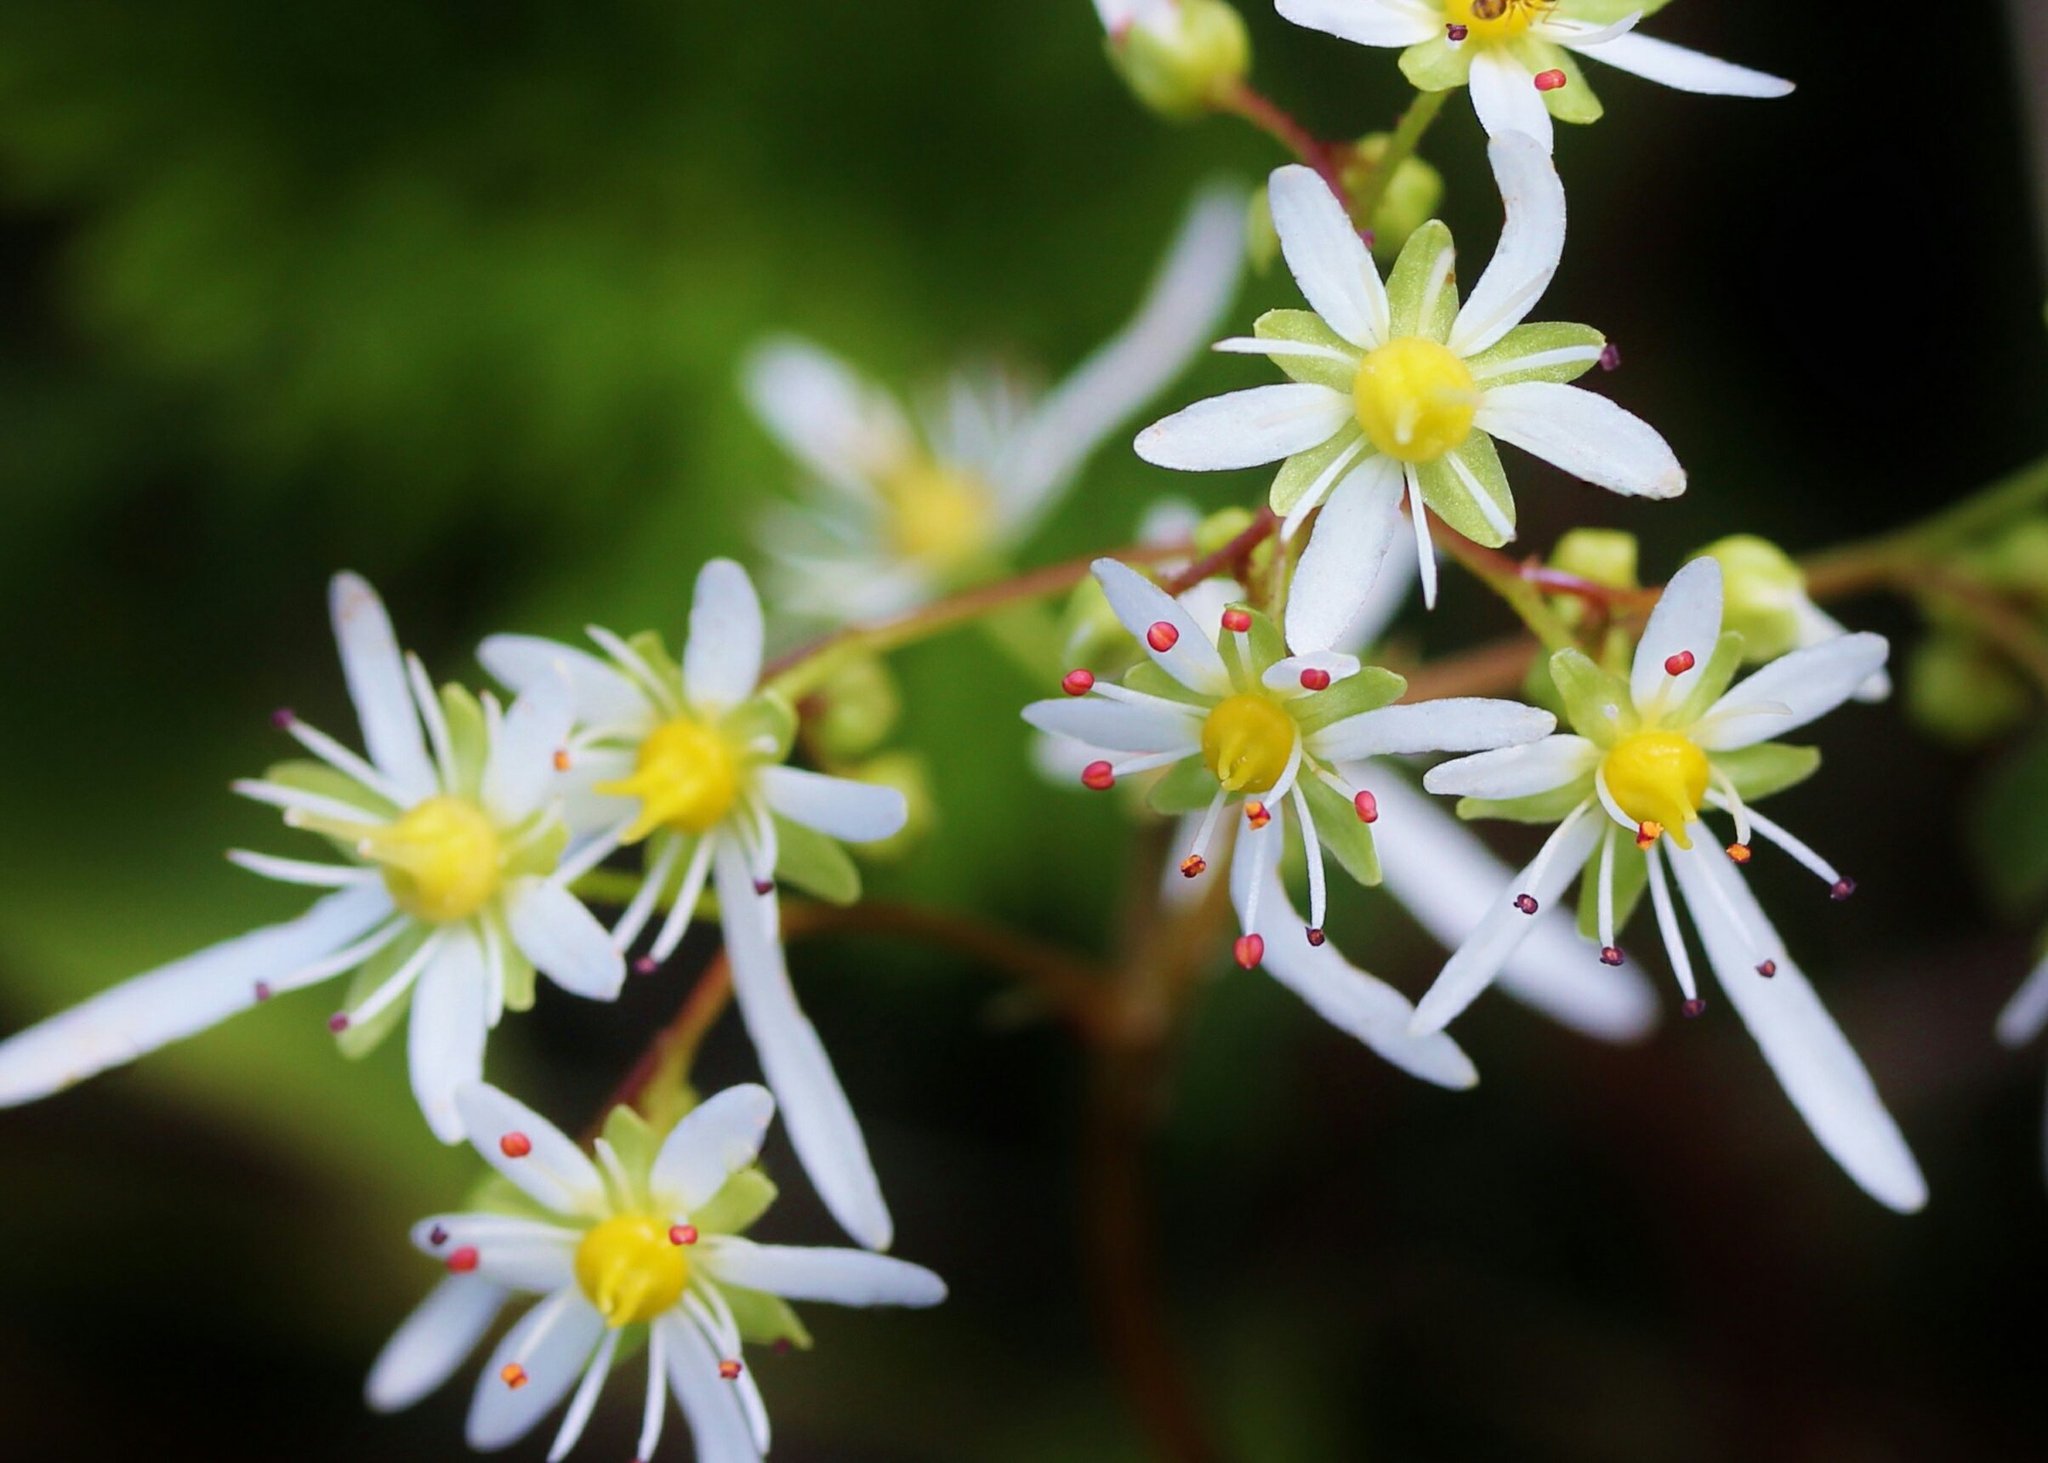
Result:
{"points": [[521, 775], [432, 1342], [1531, 242], [1367, 22], [1821, 1073], [2027, 1012], [1191, 656], [599, 695], [511, 1253], [1446, 879], [860, 812], [1586, 435], [1686, 624], [1791, 691], [1678, 67], [1346, 555], [1454, 724], [1118, 726], [552, 1344], [1245, 428], [840, 1277], [552, 1170], [715, 1140], [176, 1000], [821, 1123], [1514, 772], [1505, 97], [823, 413], [445, 1037], [1284, 676], [565, 941], [1815, 625], [1327, 257], [722, 661], [375, 673], [718, 1420]]}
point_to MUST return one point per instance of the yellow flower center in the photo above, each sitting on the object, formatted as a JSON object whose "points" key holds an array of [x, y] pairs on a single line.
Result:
{"points": [[630, 1269], [441, 860], [1658, 777], [938, 517], [1415, 399], [1494, 20], [687, 777], [1247, 742]]}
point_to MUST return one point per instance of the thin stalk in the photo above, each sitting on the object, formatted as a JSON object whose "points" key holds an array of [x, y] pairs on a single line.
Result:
{"points": [[1415, 122]]}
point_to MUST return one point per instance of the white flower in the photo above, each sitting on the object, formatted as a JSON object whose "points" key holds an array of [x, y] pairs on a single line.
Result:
{"points": [[894, 515], [1650, 754], [449, 894], [1517, 54], [686, 757], [1399, 392], [641, 1247]]}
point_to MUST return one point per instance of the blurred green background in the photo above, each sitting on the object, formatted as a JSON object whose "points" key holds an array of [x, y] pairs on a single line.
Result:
{"points": [[452, 294]]}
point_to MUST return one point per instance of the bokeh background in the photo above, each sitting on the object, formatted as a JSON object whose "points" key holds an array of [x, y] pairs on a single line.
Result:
{"points": [[452, 294]]}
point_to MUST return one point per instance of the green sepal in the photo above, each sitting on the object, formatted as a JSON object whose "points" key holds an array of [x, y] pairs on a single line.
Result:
{"points": [[1576, 100], [360, 1038], [815, 862], [1268, 645], [306, 775], [743, 1199], [1147, 676], [1369, 690], [1341, 831], [1631, 877], [1597, 702], [768, 715], [1305, 327], [1607, 12], [496, 1194], [469, 739], [1766, 768], [541, 853], [650, 647], [1714, 680], [1188, 787], [520, 976], [1445, 492], [764, 1319], [1553, 806], [1436, 64], [1408, 285], [1300, 472], [636, 1143], [1495, 366]]}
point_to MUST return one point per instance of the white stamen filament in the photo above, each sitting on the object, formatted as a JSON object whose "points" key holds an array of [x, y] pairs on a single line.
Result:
{"points": [[1312, 847], [400, 981], [656, 1407], [342, 760], [585, 1402], [593, 853], [616, 1178], [1248, 345], [1151, 761], [637, 670], [1111, 691], [493, 928], [1607, 800], [1209, 820], [1425, 557], [436, 720], [1319, 489], [295, 801], [1667, 925], [1794, 846], [1533, 876], [685, 906], [1730, 801], [347, 958], [301, 871], [1606, 903], [641, 906]]}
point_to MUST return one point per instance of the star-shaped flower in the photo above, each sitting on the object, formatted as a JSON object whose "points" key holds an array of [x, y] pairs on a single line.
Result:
{"points": [[447, 895], [642, 1247], [1517, 55], [1399, 392], [1648, 755]]}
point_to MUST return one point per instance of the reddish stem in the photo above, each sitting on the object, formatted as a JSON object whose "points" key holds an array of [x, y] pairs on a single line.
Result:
{"points": [[1276, 122]]}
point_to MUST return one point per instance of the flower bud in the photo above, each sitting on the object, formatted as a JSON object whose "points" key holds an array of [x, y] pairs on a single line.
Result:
{"points": [[1407, 202], [1762, 593], [1261, 239], [857, 708], [908, 774], [2017, 559], [1604, 556], [1219, 528], [1957, 690], [1180, 57]]}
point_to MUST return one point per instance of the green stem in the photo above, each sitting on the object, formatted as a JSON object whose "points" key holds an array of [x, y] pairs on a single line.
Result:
{"points": [[1415, 122], [1874, 561]]}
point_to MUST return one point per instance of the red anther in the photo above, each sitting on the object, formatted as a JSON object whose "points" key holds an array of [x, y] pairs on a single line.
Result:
{"points": [[1235, 620], [515, 1145], [1193, 866], [1314, 679], [1740, 852], [1257, 813], [283, 717], [1648, 832], [764, 887], [1526, 903], [783, 1346], [1610, 357], [513, 1375], [338, 1022], [730, 1370], [1078, 683], [561, 759], [1098, 776], [1679, 664], [1841, 889], [1693, 1008], [1249, 950], [645, 965], [1768, 969], [1316, 937], [1368, 807], [462, 1261], [1455, 32], [1550, 80], [263, 991], [682, 1234], [437, 1236], [1610, 955], [1162, 637]]}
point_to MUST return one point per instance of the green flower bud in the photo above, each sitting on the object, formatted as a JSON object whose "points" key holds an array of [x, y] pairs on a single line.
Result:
{"points": [[1261, 239], [909, 775], [1957, 690], [1409, 200], [1761, 594], [2017, 559], [1604, 556], [858, 706], [1219, 528], [1183, 63]]}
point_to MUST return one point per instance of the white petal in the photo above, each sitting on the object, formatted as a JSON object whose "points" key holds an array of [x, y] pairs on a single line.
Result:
{"points": [[445, 1040], [1505, 97], [1686, 70], [599, 694], [1814, 625], [821, 1123], [715, 1140], [722, 661], [824, 414], [1328, 259], [176, 1000], [432, 1342], [1284, 676], [1118, 726], [512, 1253], [1346, 555], [1446, 879], [840, 1277], [521, 775], [1687, 620], [1515, 772], [860, 812], [1367, 22], [585, 1401], [1453, 724], [2027, 1012], [1531, 242], [1245, 428], [565, 941], [718, 1422], [1140, 604], [1821, 1073], [1383, 602], [554, 1171], [375, 673], [1586, 435], [553, 1342], [1791, 691]]}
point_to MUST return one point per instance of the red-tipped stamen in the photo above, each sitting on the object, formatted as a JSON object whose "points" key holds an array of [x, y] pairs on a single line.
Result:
{"points": [[1316, 937], [1249, 950], [1768, 969], [1610, 955], [1315, 679], [1098, 776], [1235, 620], [437, 1236], [1610, 357], [1679, 664], [1550, 80], [1257, 813], [645, 965], [1078, 682], [561, 759], [730, 1370], [1163, 636], [462, 1261], [338, 1022], [1526, 903], [1841, 889], [515, 1145], [1648, 832], [513, 1375], [263, 991], [1455, 33], [682, 1234], [1193, 866], [1694, 1008], [283, 717], [1367, 806], [1740, 852]]}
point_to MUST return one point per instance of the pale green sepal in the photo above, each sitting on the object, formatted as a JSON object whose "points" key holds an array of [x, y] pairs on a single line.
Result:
{"points": [[1714, 680], [496, 1194], [767, 716], [1369, 690], [1188, 787], [1268, 645], [469, 740], [1496, 365], [764, 1319], [520, 975], [1575, 100], [815, 863], [1766, 768], [540, 854], [1539, 807], [636, 1143], [1305, 327], [1596, 702], [1607, 12], [1450, 498], [1631, 877], [650, 647], [1300, 472], [744, 1198], [1436, 64], [306, 775], [360, 1038], [1428, 249], [1147, 677], [1341, 831]]}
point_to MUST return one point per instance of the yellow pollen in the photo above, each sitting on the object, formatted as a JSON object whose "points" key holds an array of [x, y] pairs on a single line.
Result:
{"points": [[687, 777], [1494, 20], [1415, 399], [1247, 741], [630, 1270], [441, 859], [938, 517], [1659, 779]]}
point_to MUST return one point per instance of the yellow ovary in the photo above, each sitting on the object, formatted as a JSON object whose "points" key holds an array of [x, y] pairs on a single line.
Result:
{"points": [[441, 859], [937, 517], [1494, 21], [1247, 742], [1658, 777], [630, 1269], [687, 777], [1415, 399]]}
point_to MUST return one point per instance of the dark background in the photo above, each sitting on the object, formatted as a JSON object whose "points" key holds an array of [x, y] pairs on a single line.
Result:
{"points": [[451, 294]]}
